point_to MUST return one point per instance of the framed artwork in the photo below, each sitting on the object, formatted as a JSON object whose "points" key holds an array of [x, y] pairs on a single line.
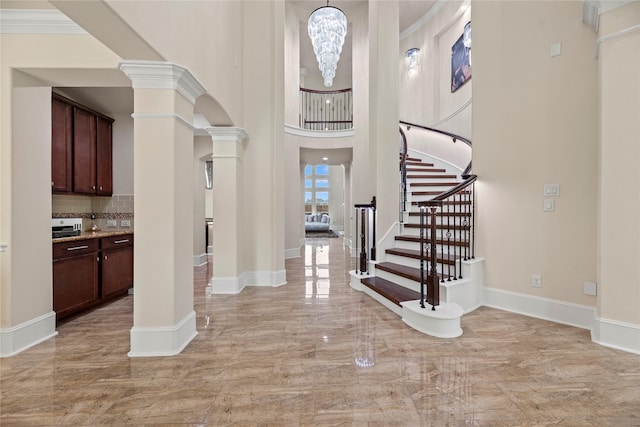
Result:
{"points": [[461, 59]]}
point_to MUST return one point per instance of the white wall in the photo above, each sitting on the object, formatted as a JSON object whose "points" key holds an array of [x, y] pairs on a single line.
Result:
{"points": [[535, 122], [426, 98]]}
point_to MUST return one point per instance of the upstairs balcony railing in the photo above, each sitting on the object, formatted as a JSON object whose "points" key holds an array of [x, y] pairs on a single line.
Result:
{"points": [[326, 110]]}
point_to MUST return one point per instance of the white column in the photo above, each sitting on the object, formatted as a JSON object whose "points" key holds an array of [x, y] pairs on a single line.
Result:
{"points": [[228, 196], [164, 98]]}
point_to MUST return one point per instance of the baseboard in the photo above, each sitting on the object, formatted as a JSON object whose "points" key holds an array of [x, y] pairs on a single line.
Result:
{"points": [[235, 285], [199, 260], [226, 285], [265, 278], [580, 316], [163, 341], [292, 253], [616, 334], [27, 334]]}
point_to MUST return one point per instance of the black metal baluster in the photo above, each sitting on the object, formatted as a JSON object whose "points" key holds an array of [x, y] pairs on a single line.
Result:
{"points": [[422, 256]]}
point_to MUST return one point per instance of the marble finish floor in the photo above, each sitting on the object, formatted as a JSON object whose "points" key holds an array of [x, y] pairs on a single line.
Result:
{"points": [[316, 352]]}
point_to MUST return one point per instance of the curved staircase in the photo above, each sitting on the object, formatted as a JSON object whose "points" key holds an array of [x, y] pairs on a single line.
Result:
{"points": [[395, 280]]}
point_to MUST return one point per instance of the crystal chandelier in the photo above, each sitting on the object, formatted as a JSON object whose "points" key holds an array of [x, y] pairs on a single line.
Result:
{"points": [[327, 29]]}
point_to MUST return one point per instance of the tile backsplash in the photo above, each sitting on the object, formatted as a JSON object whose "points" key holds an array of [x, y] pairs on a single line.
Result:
{"points": [[115, 212]]}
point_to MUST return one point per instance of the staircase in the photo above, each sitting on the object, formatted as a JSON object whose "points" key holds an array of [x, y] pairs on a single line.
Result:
{"points": [[395, 279]]}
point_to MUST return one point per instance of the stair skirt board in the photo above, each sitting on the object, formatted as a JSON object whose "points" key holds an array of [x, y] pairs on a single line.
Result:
{"points": [[443, 322]]}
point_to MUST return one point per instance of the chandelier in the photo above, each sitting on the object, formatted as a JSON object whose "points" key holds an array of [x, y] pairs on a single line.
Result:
{"points": [[327, 28]]}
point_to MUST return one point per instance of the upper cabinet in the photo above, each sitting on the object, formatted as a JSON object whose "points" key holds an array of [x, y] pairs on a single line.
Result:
{"points": [[61, 146], [84, 163]]}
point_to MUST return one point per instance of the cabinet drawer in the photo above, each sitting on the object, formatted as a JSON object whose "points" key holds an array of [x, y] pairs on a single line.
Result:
{"points": [[117, 241], [74, 248]]}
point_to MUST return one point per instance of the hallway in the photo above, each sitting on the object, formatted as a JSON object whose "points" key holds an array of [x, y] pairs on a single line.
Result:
{"points": [[317, 352]]}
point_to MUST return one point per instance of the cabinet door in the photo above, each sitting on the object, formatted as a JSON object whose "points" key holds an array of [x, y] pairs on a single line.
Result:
{"points": [[104, 164], [117, 271], [84, 151], [75, 284], [61, 146]]}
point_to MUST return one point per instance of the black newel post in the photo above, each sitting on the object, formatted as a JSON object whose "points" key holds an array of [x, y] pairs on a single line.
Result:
{"points": [[363, 245]]}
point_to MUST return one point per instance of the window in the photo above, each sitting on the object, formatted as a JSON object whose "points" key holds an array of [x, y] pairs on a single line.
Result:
{"points": [[316, 189]]}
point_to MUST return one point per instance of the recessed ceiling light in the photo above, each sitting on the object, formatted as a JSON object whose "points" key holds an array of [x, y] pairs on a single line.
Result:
{"points": [[325, 158]]}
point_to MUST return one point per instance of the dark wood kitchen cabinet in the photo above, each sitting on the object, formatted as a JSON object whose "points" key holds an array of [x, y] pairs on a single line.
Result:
{"points": [[104, 156], [91, 271], [61, 146], [117, 265], [84, 151], [75, 276], [86, 159]]}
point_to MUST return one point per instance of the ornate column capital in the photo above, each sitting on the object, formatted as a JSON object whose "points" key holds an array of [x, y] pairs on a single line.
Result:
{"points": [[163, 75], [227, 133]]}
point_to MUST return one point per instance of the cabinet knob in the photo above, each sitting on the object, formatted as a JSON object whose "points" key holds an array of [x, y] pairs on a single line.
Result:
{"points": [[101, 187], [105, 257], [93, 188]]}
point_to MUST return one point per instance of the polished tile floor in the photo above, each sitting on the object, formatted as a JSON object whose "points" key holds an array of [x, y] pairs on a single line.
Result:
{"points": [[316, 352]]}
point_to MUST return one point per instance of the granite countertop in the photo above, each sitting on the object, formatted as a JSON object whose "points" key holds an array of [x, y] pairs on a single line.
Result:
{"points": [[94, 235]]}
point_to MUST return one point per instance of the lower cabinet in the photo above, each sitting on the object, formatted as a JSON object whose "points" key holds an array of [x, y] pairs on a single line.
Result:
{"points": [[117, 265], [75, 276], [89, 272]]}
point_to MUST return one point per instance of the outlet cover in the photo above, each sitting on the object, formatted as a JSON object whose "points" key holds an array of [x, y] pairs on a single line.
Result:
{"points": [[111, 223], [536, 280], [549, 205], [590, 288], [125, 223]]}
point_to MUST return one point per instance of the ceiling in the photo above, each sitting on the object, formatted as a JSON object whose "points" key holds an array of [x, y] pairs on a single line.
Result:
{"points": [[112, 93]]}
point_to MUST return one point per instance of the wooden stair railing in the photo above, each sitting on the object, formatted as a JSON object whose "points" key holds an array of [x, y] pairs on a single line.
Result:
{"points": [[464, 193]]}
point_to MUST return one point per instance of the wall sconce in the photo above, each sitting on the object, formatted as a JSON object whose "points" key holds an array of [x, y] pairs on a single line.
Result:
{"points": [[412, 61], [208, 174]]}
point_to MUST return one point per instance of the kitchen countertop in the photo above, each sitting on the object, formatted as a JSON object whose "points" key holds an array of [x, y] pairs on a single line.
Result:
{"points": [[93, 235]]}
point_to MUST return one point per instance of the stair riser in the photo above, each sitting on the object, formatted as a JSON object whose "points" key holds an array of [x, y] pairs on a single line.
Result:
{"points": [[451, 250], [411, 262]]}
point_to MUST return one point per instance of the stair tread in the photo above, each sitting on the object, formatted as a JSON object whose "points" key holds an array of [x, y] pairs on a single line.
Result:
{"points": [[414, 168], [433, 184], [418, 163], [391, 291], [440, 226], [431, 176], [407, 272], [439, 213], [407, 238]]}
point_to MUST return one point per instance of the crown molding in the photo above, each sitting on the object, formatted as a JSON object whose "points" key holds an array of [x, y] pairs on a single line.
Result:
{"points": [[227, 133], [163, 75], [37, 21]]}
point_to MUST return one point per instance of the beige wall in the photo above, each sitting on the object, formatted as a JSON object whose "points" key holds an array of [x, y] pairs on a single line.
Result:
{"points": [[122, 154], [535, 122], [263, 112], [29, 222], [619, 203], [204, 36]]}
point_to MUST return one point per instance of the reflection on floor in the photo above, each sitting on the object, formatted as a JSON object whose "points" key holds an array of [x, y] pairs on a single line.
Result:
{"points": [[316, 352]]}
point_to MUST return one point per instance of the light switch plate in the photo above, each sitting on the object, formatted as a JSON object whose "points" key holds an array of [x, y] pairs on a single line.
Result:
{"points": [[551, 190], [556, 49], [111, 223], [125, 223], [549, 205]]}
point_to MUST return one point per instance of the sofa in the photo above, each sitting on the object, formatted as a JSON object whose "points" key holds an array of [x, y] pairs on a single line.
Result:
{"points": [[317, 222]]}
